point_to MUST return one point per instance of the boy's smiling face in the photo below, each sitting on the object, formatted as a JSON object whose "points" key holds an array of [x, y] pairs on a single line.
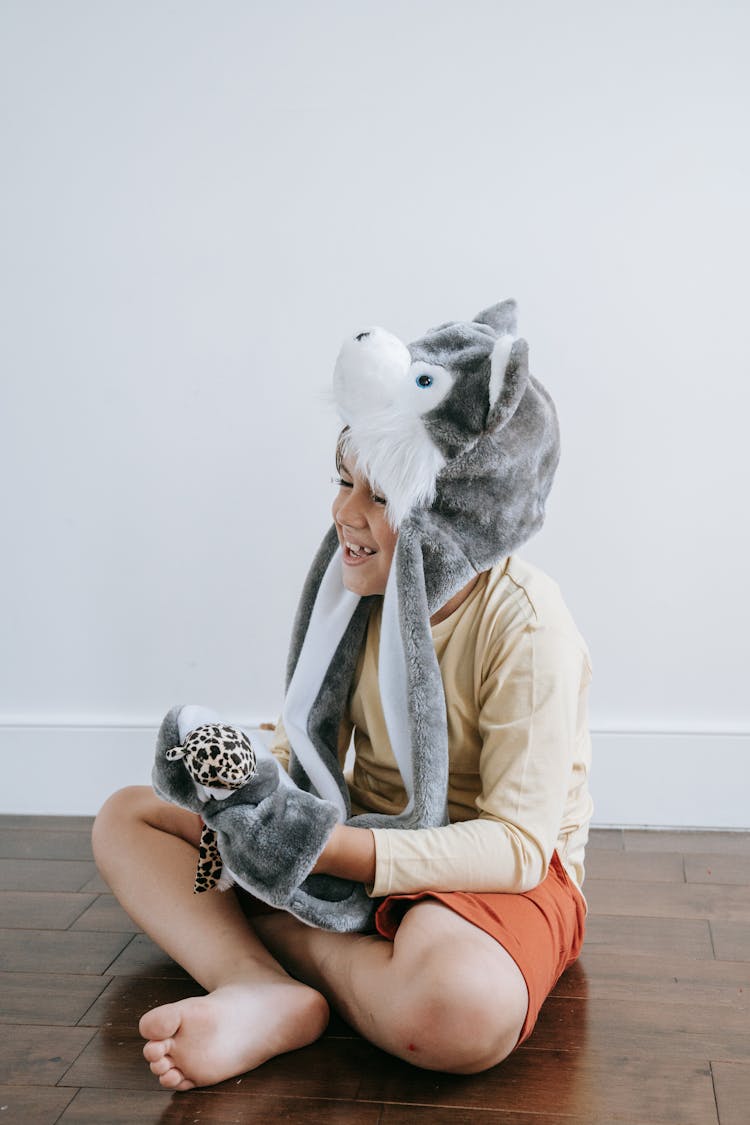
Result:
{"points": [[359, 517]]}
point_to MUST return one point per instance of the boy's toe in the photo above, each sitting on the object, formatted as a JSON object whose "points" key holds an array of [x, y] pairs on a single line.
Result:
{"points": [[162, 1066], [160, 1023], [156, 1049], [174, 1079]]}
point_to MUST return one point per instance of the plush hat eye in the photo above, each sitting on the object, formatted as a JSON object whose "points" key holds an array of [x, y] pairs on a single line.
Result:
{"points": [[425, 380]]}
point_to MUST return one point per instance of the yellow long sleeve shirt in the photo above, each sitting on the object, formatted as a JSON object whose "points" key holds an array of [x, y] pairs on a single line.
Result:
{"points": [[516, 674]]}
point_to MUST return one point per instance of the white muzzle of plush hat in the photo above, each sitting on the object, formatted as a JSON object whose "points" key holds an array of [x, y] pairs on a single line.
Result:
{"points": [[382, 395]]}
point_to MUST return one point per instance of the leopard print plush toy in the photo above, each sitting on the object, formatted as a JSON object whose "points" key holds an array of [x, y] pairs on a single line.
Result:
{"points": [[219, 759]]}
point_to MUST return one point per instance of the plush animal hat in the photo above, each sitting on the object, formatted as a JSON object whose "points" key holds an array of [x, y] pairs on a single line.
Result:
{"points": [[463, 442]]}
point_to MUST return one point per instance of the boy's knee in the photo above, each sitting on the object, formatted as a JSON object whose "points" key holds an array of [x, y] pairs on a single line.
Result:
{"points": [[124, 804], [123, 808], [459, 1021], [136, 809]]}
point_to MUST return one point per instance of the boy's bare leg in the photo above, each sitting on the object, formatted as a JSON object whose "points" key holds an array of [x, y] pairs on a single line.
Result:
{"points": [[147, 852], [444, 995]]}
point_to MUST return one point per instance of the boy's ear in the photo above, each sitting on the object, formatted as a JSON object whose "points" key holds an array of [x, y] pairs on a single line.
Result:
{"points": [[509, 377]]}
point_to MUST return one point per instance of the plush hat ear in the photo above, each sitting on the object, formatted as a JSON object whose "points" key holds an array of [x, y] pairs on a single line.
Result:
{"points": [[501, 317], [175, 753], [508, 379]]}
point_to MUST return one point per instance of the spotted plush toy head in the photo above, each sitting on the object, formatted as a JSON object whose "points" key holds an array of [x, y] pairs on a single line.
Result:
{"points": [[217, 756]]}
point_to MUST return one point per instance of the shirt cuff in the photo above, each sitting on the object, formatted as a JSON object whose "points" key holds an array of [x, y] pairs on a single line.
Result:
{"points": [[383, 863]]}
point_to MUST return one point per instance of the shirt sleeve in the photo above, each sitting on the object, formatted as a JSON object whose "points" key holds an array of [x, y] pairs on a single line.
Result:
{"points": [[280, 747], [528, 709]]}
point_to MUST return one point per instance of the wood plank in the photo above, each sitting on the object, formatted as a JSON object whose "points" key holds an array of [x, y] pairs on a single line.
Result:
{"points": [[640, 866], [609, 839], [32, 1105], [30, 843], [731, 940], [732, 1085], [668, 900], [626, 1036], [105, 913], [636, 1028], [437, 1115], [44, 823], [58, 951], [40, 1055], [572, 1084], [96, 885], [41, 910], [45, 874], [125, 999], [215, 1107], [687, 841], [603, 974], [113, 1059], [141, 957], [707, 868], [47, 998], [683, 937]]}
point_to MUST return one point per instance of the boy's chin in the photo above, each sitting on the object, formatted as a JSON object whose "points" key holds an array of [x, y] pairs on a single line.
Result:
{"points": [[363, 584]]}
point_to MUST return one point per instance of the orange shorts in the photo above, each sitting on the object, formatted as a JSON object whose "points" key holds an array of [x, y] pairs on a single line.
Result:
{"points": [[541, 929]]}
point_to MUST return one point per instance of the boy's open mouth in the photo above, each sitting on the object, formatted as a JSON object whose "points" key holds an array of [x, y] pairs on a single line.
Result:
{"points": [[355, 552]]}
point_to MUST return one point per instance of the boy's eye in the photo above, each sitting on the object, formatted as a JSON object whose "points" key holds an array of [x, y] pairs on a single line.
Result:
{"points": [[349, 484], [424, 380]]}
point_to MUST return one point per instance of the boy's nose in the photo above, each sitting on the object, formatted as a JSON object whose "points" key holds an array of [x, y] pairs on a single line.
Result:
{"points": [[350, 512], [350, 515]]}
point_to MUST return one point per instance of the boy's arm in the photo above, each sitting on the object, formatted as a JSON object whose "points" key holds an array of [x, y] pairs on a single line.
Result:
{"points": [[349, 853], [532, 714], [529, 719]]}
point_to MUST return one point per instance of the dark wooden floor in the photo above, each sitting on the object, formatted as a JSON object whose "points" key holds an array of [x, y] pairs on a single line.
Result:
{"points": [[651, 1026]]}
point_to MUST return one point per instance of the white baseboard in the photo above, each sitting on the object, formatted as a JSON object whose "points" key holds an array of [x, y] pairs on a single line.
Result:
{"points": [[671, 779], [69, 769], [664, 779]]}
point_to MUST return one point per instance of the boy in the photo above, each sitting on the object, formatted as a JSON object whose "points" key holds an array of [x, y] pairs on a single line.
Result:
{"points": [[479, 916]]}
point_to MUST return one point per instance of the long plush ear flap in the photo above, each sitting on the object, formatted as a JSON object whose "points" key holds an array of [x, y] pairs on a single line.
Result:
{"points": [[317, 672], [508, 379], [425, 702], [411, 690]]}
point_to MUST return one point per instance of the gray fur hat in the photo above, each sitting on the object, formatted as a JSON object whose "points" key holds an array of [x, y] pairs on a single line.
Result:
{"points": [[463, 442]]}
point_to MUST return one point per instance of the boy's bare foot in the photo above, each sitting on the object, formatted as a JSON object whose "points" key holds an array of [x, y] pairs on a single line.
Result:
{"points": [[205, 1039]]}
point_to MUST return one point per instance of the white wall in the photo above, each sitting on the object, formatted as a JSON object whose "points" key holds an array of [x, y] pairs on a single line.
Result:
{"points": [[200, 201]]}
